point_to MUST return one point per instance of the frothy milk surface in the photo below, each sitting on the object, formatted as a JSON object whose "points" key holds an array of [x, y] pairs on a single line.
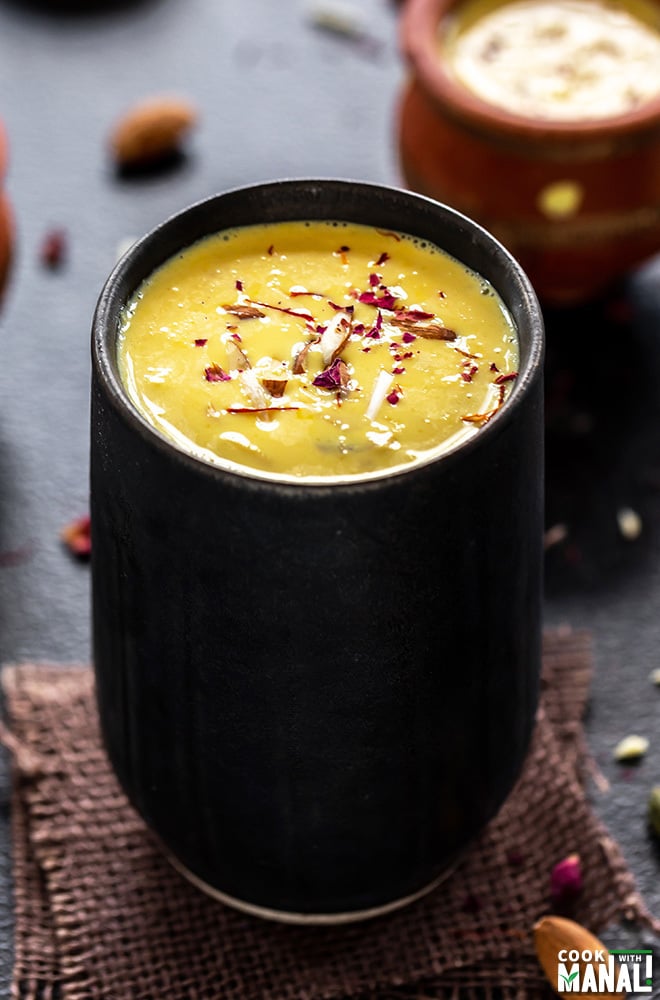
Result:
{"points": [[562, 60]]}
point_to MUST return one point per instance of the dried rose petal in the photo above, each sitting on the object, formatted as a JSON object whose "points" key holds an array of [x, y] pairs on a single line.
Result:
{"points": [[383, 257], [239, 285], [201, 341], [334, 377], [384, 301], [14, 557], [374, 331], [77, 537], [214, 373], [469, 373], [53, 249], [398, 371], [493, 366], [501, 379], [374, 279], [408, 337], [566, 881], [393, 397], [413, 315]]}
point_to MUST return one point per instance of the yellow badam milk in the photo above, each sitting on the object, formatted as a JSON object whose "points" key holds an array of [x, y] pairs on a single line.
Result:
{"points": [[316, 349]]}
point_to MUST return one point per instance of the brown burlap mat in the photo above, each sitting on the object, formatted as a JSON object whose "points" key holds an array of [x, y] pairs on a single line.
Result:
{"points": [[101, 914]]}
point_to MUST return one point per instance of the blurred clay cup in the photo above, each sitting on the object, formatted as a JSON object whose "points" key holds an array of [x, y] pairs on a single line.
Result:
{"points": [[577, 202], [6, 220]]}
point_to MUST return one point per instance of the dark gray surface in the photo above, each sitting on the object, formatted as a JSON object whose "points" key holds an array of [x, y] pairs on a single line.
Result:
{"points": [[279, 98]]}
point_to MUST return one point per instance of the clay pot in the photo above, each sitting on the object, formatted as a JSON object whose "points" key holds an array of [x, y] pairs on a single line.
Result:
{"points": [[6, 219], [577, 203]]}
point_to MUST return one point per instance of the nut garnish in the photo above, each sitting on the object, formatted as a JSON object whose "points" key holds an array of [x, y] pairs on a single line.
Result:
{"points": [[151, 130], [630, 748], [300, 361], [236, 356], [553, 935], [275, 386], [244, 312], [428, 331]]}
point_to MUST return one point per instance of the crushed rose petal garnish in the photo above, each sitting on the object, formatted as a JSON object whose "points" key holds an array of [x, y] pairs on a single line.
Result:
{"points": [[214, 373], [334, 377], [383, 301], [77, 537], [326, 385], [53, 249]]}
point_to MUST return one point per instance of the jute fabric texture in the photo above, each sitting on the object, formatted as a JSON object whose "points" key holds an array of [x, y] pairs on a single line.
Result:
{"points": [[100, 913]]}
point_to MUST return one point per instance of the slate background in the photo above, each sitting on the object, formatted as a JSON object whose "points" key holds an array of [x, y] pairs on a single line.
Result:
{"points": [[279, 97]]}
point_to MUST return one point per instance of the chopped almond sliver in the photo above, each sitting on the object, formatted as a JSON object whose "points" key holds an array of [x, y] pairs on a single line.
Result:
{"points": [[335, 336], [300, 361], [244, 312], [236, 356], [253, 389], [275, 386], [378, 396], [428, 331]]}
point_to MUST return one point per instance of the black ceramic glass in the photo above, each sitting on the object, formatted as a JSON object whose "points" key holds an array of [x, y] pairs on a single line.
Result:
{"points": [[317, 694]]}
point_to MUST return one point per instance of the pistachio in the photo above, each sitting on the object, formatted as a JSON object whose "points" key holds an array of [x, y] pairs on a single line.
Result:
{"points": [[654, 810], [631, 748]]}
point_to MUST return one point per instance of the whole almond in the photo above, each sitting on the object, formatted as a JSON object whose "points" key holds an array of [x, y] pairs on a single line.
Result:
{"points": [[551, 935], [151, 130]]}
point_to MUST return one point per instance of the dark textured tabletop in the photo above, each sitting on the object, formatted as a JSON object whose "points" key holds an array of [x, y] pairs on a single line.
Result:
{"points": [[278, 96]]}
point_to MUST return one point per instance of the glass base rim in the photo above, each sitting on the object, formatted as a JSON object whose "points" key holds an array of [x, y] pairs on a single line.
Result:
{"points": [[307, 919]]}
